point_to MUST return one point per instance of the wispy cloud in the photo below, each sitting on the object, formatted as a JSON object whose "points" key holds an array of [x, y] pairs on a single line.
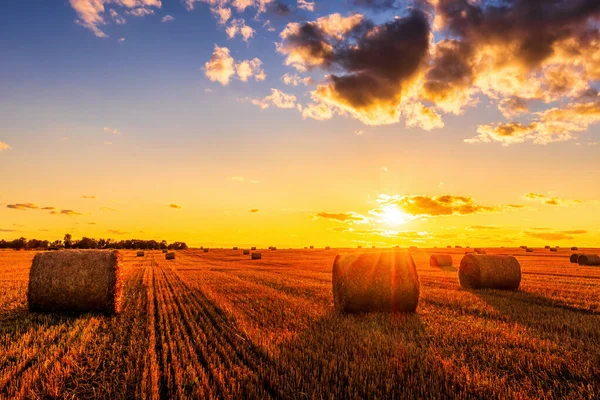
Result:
{"points": [[550, 200], [177, 206], [112, 131], [4, 147], [341, 217], [88, 197], [23, 206], [167, 18], [556, 235], [254, 210], [277, 99], [69, 213], [116, 232]]}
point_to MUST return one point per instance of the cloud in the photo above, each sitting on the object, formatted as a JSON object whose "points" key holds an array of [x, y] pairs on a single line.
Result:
{"points": [[88, 197], [306, 5], [254, 210], [116, 232], [435, 206], [378, 63], [222, 67], [69, 213], [223, 14], [483, 227], [243, 180], [177, 206], [48, 208], [92, 223], [4, 147], [550, 200], [359, 132], [241, 5], [167, 18], [91, 13], [23, 206], [277, 99], [108, 209], [295, 80], [238, 26], [112, 131], [121, 40], [341, 217], [560, 235]]}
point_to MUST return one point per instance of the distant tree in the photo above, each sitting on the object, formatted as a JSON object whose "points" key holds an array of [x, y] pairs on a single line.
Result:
{"points": [[68, 241]]}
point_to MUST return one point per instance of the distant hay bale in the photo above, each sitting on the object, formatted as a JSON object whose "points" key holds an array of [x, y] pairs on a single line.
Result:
{"points": [[413, 247], [165, 251], [546, 247], [253, 248], [574, 259], [479, 250], [574, 248], [312, 247], [588, 259], [359, 247], [458, 247], [273, 248], [327, 248], [256, 256], [529, 250], [448, 247], [381, 281], [489, 271], [440, 260], [170, 256], [140, 254], [235, 248], [553, 249], [305, 248], [75, 281], [246, 252], [206, 250], [372, 247]]}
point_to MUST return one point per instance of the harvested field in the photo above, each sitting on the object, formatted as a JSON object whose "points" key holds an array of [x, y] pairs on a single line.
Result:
{"points": [[220, 325]]}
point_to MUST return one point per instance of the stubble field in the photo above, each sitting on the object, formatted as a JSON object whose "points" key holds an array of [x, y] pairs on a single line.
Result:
{"points": [[219, 325]]}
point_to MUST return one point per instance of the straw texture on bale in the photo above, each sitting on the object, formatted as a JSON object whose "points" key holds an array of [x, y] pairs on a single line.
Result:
{"points": [[489, 271], [140, 254], [440, 260], [170, 256], [588, 259], [246, 252], [382, 281], [574, 259], [75, 281], [256, 256]]}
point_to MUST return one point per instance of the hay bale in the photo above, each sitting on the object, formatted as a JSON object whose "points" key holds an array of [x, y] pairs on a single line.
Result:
{"points": [[458, 247], [546, 247], [448, 247], [528, 250], [489, 271], [170, 256], [440, 260], [378, 281], [76, 281], [327, 248], [165, 251], [413, 247], [273, 248], [253, 248], [206, 250], [312, 247], [480, 251], [574, 259], [554, 249], [235, 248], [256, 256], [574, 248], [524, 247], [140, 254], [588, 259], [305, 248], [359, 247], [246, 252]]}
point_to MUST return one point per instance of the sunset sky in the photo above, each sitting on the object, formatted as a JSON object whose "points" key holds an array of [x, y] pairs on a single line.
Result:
{"points": [[296, 123]]}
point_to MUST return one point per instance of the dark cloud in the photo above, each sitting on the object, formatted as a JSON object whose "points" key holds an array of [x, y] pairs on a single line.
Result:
{"points": [[176, 206], [341, 217], [278, 8], [254, 210], [23, 206]]}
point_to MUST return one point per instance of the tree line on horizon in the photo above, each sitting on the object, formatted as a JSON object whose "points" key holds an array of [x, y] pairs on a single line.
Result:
{"points": [[90, 243]]}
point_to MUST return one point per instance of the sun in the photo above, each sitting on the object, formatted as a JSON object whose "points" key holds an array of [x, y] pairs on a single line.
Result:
{"points": [[393, 216]]}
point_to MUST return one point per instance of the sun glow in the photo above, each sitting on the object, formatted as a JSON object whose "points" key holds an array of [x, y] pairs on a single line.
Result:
{"points": [[393, 216]]}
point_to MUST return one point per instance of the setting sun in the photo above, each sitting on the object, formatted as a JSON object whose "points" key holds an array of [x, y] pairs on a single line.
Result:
{"points": [[393, 216]]}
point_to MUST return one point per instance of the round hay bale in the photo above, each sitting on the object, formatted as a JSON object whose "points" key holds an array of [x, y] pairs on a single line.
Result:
{"points": [[553, 249], [359, 247], [588, 259], [256, 256], [253, 248], [528, 250], [75, 281], [381, 281], [327, 248], [574, 259], [165, 251], [235, 248], [524, 247], [246, 252], [440, 260], [206, 250], [312, 247], [273, 248], [170, 256], [305, 248], [574, 248], [546, 247], [140, 254], [489, 271]]}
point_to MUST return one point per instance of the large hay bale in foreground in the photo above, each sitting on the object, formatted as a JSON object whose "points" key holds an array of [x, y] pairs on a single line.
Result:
{"points": [[256, 256], [574, 259], [489, 271], [76, 281], [381, 281], [440, 260], [588, 259], [170, 256], [140, 254]]}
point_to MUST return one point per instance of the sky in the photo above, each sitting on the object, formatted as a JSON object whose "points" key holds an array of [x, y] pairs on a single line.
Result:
{"points": [[293, 123]]}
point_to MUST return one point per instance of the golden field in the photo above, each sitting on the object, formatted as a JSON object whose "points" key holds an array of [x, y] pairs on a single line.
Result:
{"points": [[219, 325]]}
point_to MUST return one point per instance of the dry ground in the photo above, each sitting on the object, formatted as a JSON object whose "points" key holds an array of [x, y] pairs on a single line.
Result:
{"points": [[219, 325]]}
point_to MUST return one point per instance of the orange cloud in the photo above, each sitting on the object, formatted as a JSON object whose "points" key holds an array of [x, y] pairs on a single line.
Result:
{"points": [[177, 206], [342, 217], [434, 206], [254, 210], [550, 200], [222, 67], [23, 206]]}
